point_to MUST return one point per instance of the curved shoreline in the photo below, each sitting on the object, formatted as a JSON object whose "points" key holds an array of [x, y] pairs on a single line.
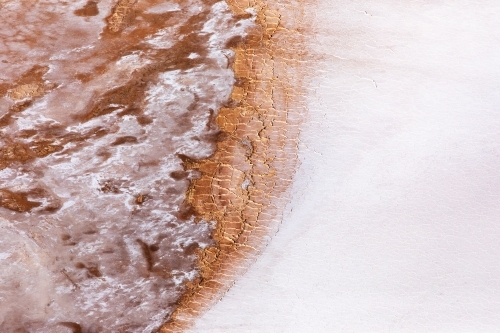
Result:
{"points": [[393, 218], [243, 187]]}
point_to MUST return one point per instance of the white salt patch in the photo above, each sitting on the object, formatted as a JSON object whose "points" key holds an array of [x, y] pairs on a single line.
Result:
{"points": [[245, 184], [67, 204], [163, 8], [393, 225], [132, 59]]}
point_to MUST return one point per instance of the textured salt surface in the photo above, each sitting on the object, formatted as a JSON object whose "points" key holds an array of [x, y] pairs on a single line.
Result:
{"points": [[394, 221], [100, 102]]}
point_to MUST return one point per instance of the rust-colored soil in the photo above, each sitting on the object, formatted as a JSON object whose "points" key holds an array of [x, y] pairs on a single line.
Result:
{"points": [[243, 185]]}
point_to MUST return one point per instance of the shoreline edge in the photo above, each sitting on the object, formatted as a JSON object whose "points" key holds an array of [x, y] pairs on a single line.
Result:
{"points": [[244, 185]]}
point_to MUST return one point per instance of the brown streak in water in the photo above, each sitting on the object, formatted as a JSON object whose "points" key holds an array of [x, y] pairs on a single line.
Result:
{"points": [[69, 278], [30, 85], [146, 252], [18, 152], [17, 202], [75, 328], [90, 9], [124, 139], [16, 108], [257, 143]]}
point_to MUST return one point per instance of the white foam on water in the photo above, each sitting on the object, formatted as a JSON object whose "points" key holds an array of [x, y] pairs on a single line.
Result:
{"points": [[164, 8]]}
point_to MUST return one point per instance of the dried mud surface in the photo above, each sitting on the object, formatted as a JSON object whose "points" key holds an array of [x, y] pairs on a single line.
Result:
{"points": [[243, 186]]}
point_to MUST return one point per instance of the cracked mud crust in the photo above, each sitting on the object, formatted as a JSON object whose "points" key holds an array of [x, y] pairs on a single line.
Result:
{"points": [[243, 186]]}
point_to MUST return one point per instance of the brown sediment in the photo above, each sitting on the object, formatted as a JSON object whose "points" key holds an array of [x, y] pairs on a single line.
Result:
{"points": [[30, 85], [120, 14], [90, 9], [243, 185], [17, 202]]}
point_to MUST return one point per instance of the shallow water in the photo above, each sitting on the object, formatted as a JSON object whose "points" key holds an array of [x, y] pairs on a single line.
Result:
{"points": [[100, 104]]}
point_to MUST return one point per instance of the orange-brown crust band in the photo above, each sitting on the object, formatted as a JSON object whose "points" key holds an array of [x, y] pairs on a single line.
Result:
{"points": [[243, 186]]}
